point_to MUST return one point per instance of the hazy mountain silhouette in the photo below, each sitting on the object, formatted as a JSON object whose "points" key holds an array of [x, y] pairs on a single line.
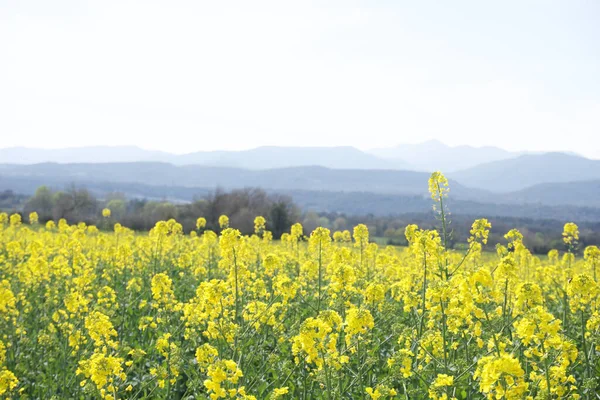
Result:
{"points": [[585, 194], [528, 170], [550, 178], [267, 157], [343, 157], [426, 157], [297, 178], [434, 155]]}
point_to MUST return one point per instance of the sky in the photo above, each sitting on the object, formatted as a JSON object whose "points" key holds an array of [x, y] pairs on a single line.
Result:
{"points": [[184, 76]]}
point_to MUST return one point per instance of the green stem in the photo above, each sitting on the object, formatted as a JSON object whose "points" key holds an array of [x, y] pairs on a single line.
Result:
{"points": [[444, 329], [584, 345], [320, 277]]}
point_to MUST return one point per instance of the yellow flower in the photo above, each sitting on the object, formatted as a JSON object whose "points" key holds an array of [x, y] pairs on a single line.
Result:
{"points": [[501, 377], [221, 373], [296, 230], [438, 390], [528, 295], [106, 213], [358, 321], [320, 240], [205, 355], [438, 186], [163, 344], [102, 369], [100, 329], [480, 231], [224, 221], [8, 381], [2, 353], [570, 233], [278, 392], [373, 394], [443, 380], [582, 291], [361, 235], [381, 391], [259, 224], [33, 218], [8, 301], [317, 341], [162, 290], [15, 220]]}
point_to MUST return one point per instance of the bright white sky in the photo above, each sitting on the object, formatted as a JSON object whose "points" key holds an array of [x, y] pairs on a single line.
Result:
{"points": [[193, 75]]}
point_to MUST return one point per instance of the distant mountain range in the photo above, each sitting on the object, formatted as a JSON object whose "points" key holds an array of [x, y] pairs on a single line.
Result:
{"points": [[198, 176], [550, 179], [528, 170], [428, 156], [582, 194], [434, 155], [266, 157], [497, 176], [269, 157]]}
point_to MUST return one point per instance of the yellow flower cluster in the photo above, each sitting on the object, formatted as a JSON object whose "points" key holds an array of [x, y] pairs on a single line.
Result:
{"points": [[108, 313], [8, 380]]}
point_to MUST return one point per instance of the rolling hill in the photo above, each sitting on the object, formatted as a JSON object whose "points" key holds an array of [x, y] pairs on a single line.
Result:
{"points": [[584, 194], [528, 170], [296, 178]]}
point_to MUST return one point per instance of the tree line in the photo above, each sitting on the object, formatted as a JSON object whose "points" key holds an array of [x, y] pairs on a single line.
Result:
{"points": [[243, 205]]}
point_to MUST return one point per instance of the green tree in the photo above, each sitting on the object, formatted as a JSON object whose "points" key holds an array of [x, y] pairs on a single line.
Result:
{"points": [[42, 202]]}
